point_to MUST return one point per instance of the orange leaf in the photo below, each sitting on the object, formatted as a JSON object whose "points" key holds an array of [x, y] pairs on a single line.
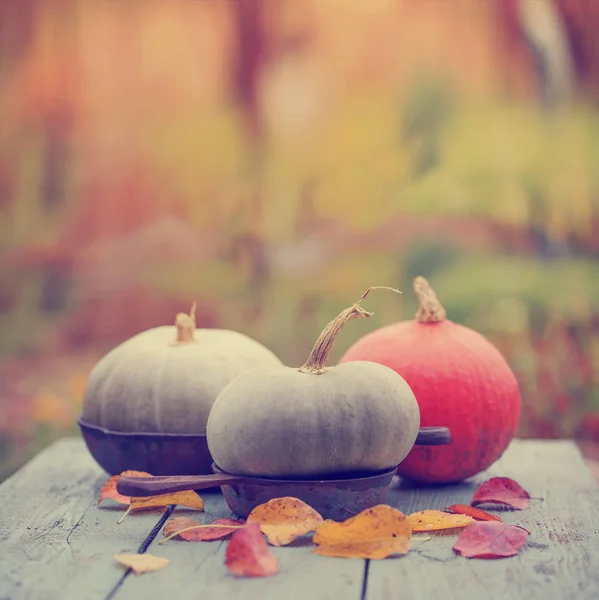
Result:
{"points": [[192, 531], [376, 533], [282, 520], [248, 555], [475, 513], [109, 488], [188, 498], [434, 520], [142, 563]]}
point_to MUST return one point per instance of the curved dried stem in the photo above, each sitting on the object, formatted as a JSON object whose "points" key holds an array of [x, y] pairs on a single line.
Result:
{"points": [[316, 363]]}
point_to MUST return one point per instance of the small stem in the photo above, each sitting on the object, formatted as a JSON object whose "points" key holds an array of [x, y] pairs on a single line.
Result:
{"points": [[431, 310], [121, 519], [186, 325], [326, 341]]}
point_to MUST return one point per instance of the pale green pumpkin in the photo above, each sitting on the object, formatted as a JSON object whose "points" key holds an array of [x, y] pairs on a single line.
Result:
{"points": [[165, 379], [314, 421]]}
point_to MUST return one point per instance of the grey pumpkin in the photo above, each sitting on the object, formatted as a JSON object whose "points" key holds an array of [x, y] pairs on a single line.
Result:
{"points": [[160, 386], [314, 421]]}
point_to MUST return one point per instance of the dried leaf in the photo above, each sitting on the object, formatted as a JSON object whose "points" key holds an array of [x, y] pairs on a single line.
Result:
{"points": [[282, 520], [376, 533], [142, 563], [489, 539], [109, 488], [248, 555], [434, 520], [189, 499], [475, 513], [192, 531], [502, 490]]}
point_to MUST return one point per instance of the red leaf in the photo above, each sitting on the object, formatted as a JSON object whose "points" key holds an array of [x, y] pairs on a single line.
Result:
{"points": [[475, 513], [502, 490], [248, 554], [192, 531], [489, 539]]}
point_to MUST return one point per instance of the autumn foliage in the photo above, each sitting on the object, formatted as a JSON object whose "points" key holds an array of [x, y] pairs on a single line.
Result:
{"points": [[375, 533]]}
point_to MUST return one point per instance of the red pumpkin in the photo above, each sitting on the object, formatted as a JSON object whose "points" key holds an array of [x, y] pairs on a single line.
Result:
{"points": [[460, 380]]}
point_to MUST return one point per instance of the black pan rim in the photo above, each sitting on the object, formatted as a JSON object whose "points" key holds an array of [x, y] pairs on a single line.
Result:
{"points": [[137, 434]]}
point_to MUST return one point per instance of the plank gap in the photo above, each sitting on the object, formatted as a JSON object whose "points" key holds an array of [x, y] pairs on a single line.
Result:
{"points": [[365, 579], [143, 548]]}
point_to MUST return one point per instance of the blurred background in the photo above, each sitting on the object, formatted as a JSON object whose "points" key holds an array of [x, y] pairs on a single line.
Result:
{"points": [[271, 159]]}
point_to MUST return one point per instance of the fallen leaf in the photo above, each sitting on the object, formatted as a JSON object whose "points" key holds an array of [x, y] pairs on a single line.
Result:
{"points": [[282, 520], [248, 555], [490, 539], [502, 490], [190, 499], [192, 531], [434, 520], [141, 563], [109, 488], [376, 533], [475, 513]]}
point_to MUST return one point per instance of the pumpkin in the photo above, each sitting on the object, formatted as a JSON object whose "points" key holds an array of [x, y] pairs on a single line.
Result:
{"points": [[160, 385], [461, 381], [314, 421]]}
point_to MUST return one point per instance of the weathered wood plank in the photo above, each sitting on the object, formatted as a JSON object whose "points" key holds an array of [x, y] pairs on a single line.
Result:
{"points": [[560, 561], [56, 543], [197, 570]]}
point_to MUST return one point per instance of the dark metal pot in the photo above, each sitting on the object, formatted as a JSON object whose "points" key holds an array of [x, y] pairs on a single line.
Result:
{"points": [[334, 498], [177, 454], [155, 453]]}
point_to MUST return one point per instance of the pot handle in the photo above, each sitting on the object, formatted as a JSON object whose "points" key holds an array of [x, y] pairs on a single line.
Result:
{"points": [[154, 486], [433, 436]]}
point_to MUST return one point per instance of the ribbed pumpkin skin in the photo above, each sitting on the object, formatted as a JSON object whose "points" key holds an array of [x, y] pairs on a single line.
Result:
{"points": [[280, 422], [460, 381], [148, 385]]}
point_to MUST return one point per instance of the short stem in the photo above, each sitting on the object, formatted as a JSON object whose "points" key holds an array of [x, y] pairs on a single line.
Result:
{"points": [[186, 326], [430, 310], [316, 363]]}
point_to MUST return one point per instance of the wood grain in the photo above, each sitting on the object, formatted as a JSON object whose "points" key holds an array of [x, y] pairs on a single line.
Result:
{"points": [[560, 561], [56, 543], [199, 570]]}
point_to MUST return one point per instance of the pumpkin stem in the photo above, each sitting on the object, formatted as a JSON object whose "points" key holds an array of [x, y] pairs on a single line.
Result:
{"points": [[326, 340], [186, 325], [431, 310]]}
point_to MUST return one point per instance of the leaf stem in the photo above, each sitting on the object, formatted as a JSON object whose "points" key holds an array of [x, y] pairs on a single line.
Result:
{"points": [[201, 526]]}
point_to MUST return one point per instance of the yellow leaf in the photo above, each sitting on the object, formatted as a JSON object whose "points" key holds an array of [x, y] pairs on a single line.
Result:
{"points": [[141, 563], [375, 533], [282, 520], [187, 498], [433, 520]]}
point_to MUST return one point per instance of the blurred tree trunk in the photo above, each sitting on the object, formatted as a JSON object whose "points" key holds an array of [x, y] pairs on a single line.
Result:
{"points": [[251, 55], [17, 25]]}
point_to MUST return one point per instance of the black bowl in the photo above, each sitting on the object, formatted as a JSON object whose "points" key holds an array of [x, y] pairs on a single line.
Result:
{"points": [[154, 453]]}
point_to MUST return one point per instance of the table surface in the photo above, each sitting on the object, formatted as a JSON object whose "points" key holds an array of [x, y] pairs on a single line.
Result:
{"points": [[55, 542]]}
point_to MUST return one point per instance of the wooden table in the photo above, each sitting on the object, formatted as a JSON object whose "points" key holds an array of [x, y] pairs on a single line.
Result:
{"points": [[56, 543]]}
